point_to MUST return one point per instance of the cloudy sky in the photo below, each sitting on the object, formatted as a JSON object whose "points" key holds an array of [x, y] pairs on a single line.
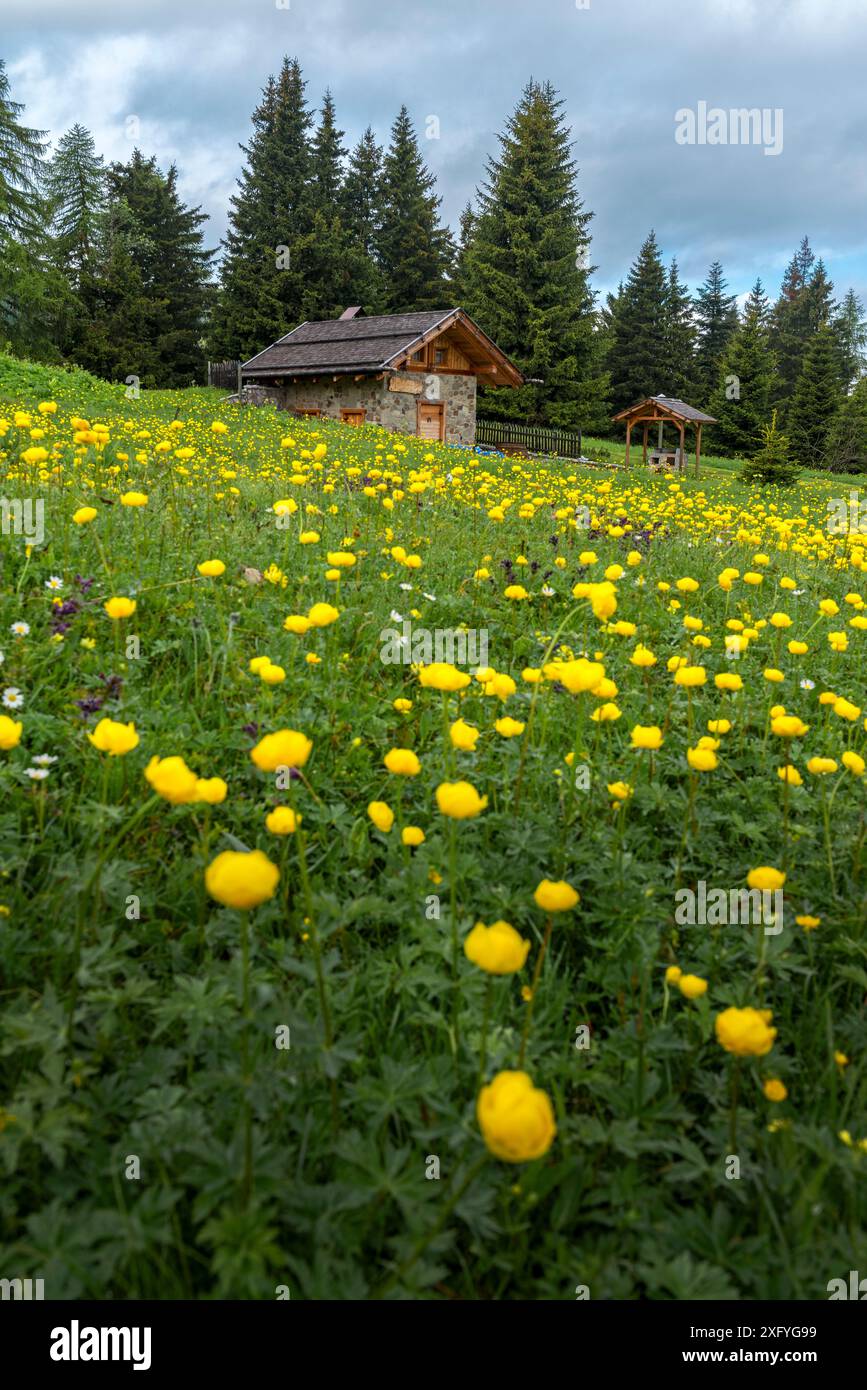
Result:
{"points": [[191, 72]]}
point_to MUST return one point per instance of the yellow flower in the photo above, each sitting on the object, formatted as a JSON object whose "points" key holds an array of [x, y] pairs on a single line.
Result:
{"points": [[134, 499], [172, 780], [382, 815], [297, 623], [846, 710], [515, 591], [441, 675], [621, 791], [807, 922], [84, 515], [211, 569], [271, 674], [286, 748], [114, 738], [211, 790], [687, 585], [780, 620], [516, 1119], [642, 656], [773, 675], [745, 1032], [727, 680], [412, 835], [577, 676], [403, 762], [402, 706], [841, 1059], [719, 726], [10, 732], [323, 614], [497, 949], [774, 1090], [460, 800], [282, 821], [605, 714], [463, 736], [791, 775], [854, 762], [341, 559], [308, 538], [788, 726], [119, 607], [690, 676], [692, 986], [556, 896], [242, 880], [766, 879], [646, 736], [509, 728], [701, 759], [673, 974], [820, 766]]}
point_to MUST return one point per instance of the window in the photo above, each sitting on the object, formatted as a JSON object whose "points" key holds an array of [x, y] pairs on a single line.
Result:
{"points": [[439, 357]]}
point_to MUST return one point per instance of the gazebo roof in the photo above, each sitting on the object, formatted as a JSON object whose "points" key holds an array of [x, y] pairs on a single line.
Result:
{"points": [[666, 407]]}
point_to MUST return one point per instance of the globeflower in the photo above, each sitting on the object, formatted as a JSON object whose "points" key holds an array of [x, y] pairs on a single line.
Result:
{"points": [[745, 1032], [282, 821], [412, 835], [441, 675], [820, 766], [403, 762], [556, 896], [774, 1090], [646, 736], [172, 780], [788, 726], [211, 790], [114, 738], [120, 607], [84, 515], [297, 623], [211, 569], [460, 800], [692, 986], [701, 759], [286, 748], [854, 762], [382, 815], [323, 614], [242, 880], [509, 728], [498, 949], [766, 878], [690, 676], [577, 676], [463, 736], [516, 1119], [10, 732], [846, 710], [642, 656], [134, 499]]}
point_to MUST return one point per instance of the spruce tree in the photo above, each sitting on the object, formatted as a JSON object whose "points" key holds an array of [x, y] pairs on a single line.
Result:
{"points": [[75, 187], [414, 250], [116, 335], [772, 464], [264, 276], [340, 271], [360, 201], [460, 281], [637, 352], [850, 328], [21, 170], [716, 320], [846, 446], [678, 368], [817, 398], [804, 305], [741, 402], [527, 271]]}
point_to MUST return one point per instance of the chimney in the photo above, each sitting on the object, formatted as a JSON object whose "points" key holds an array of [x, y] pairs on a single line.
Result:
{"points": [[350, 313]]}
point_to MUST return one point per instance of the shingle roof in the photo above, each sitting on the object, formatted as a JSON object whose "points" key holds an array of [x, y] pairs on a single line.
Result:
{"points": [[674, 406], [336, 345]]}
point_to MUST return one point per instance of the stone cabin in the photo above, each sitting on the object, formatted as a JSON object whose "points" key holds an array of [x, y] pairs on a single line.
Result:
{"points": [[416, 373]]}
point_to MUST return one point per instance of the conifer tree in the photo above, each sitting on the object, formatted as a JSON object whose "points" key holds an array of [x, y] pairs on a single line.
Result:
{"points": [[527, 270], [846, 446], [638, 349], [414, 250], [460, 282], [741, 402], [75, 188], [817, 398], [804, 305], [716, 317], [850, 328], [360, 201], [678, 368]]}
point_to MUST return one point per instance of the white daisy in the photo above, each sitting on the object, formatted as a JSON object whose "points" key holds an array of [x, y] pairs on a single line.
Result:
{"points": [[20, 629], [395, 616], [407, 588], [807, 685], [547, 591], [55, 582], [44, 760], [12, 697], [36, 774]]}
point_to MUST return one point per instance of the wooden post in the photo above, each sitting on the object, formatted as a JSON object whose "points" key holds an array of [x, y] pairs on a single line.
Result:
{"points": [[644, 447], [697, 447], [239, 380], [683, 449], [628, 433]]}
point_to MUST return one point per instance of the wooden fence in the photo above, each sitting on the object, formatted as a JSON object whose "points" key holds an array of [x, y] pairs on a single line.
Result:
{"points": [[223, 375], [539, 438]]}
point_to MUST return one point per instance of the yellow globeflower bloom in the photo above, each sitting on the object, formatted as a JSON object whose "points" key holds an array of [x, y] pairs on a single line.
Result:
{"points": [[242, 880], [323, 614], [84, 515], [282, 821], [172, 780], [460, 800], [119, 607], [10, 732], [556, 896], [646, 736], [403, 762], [766, 879], [463, 736], [114, 738], [745, 1032], [516, 1119], [692, 986], [382, 815], [412, 835], [286, 748], [441, 675], [498, 949], [211, 790], [211, 569], [134, 499]]}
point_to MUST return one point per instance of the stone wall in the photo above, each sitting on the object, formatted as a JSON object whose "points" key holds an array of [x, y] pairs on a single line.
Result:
{"points": [[396, 410]]}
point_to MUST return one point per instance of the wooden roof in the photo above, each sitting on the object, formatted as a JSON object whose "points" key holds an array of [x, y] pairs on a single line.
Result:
{"points": [[381, 343], [665, 407]]}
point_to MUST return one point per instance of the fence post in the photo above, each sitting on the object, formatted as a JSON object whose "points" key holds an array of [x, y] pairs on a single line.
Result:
{"points": [[239, 380]]}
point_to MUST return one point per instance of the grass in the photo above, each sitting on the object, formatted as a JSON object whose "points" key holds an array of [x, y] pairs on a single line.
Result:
{"points": [[158, 1136]]}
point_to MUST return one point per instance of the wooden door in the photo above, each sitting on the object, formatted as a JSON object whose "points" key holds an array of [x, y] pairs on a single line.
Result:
{"points": [[353, 417], [431, 420]]}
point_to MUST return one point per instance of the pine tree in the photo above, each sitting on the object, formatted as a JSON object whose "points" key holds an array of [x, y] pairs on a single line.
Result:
{"points": [[460, 280], [116, 334], [741, 402], [716, 320], [850, 328], [817, 398], [527, 271], [846, 447], [804, 305], [638, 349], [21, 171], [771, 465], [76, 192], [340, 271], [678, 368], [265, 281], [414, 250], [360, 201]]}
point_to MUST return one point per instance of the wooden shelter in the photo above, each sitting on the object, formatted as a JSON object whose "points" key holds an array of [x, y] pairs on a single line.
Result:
{"points": [[662, 410]]}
